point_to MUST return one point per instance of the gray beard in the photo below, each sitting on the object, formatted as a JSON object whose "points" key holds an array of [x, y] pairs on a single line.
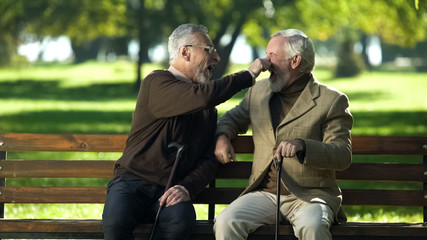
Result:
{"points": [[276, 85], [201, 78]]}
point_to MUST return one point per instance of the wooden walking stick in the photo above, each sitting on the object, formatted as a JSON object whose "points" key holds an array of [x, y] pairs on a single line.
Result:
{"points": [[179, 148], [279, 173]]}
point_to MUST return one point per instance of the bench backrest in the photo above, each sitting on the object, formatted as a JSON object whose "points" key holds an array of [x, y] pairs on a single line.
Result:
{"points": [[412, 171]]}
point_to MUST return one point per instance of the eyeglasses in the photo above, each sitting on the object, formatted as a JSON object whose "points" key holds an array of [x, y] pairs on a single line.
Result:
{"points": [[210, 49]]}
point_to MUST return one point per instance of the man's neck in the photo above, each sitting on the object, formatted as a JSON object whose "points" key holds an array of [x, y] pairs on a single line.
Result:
{"points": [[293, 77]]}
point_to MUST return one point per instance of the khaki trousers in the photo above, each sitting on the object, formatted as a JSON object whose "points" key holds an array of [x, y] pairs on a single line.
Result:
{"points": [[310, 220]]}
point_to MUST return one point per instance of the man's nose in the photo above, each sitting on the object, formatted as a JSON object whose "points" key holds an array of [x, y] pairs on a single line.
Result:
{"points": [[216, 56]]}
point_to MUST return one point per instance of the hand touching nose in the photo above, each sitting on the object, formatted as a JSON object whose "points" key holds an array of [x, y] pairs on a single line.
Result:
{"points": [[260, 65]]}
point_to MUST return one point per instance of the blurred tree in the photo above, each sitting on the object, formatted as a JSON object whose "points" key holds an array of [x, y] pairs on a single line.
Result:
{"points": [[349, 63], [396, 22], [80, 20], [231, 18], [88, 22], [11, 18]]}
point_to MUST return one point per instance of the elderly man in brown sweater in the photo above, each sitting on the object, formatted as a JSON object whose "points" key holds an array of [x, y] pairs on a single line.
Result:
{"points": [[174, 105], [297, 118]]}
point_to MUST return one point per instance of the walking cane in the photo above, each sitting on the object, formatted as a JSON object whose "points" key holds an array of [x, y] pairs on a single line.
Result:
{"points": [[279, 173], [179, 148]]}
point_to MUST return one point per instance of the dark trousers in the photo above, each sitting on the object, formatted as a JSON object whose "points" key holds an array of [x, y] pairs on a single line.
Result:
{"points": [[131, 201]]}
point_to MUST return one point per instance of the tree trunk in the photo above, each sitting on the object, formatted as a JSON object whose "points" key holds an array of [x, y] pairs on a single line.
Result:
{"points": [[86, 51], [5, 58], [225, 52], [364, 41], [139, 64], [255, 53], [349, 63], [140, 14]]}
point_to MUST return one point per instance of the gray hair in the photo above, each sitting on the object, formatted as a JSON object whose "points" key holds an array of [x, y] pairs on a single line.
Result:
{"points": [[298, 44], [182, 36]]}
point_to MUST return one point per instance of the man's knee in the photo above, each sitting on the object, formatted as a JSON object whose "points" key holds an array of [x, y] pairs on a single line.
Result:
{"points": [[177, 221], [227, 226], [313, 228], [224, 221], [118, 223], [220, 220], [115, 228]]}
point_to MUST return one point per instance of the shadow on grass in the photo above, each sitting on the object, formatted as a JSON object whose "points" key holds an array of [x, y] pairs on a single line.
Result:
{"points": [[368, 96], [366, 123], [38, 90], [88, 122]]}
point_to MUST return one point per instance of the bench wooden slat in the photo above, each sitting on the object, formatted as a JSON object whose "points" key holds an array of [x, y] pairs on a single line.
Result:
{"points": [[116, 143], [389, 145], [62, 142], [359, 229], [92, 228], [384, 171], [53, 194], [357, 171], [240, 170], [384, 197], [208, 196], [51, 225], [56, 169]]}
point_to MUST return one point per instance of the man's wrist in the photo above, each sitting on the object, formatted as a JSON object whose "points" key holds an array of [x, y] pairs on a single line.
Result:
{"points": [[253, 76], [183, 189]]}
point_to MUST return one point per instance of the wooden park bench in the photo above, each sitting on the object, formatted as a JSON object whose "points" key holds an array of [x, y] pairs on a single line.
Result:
{"points": [[409, 171]]}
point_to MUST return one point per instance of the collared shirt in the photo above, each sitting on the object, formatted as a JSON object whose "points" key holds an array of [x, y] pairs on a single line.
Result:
{"points": [[178, 74]]}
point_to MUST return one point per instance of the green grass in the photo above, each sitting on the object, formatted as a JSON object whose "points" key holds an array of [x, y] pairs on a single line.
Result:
{"points": [[99, 98]]}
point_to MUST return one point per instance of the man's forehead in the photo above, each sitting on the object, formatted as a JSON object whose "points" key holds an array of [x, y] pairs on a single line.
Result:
{"points": [[276, 43], [202, 38]]}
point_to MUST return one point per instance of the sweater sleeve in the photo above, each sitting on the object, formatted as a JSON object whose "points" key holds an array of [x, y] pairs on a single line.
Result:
{"points": [[167, 96], [235, 121], [206, 164]]}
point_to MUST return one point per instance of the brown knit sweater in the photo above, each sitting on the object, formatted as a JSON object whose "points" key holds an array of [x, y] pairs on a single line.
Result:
{"points": [[171, 110]]}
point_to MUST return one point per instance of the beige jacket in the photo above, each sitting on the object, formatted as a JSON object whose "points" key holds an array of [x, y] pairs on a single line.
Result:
{"points": [[321, 117]]}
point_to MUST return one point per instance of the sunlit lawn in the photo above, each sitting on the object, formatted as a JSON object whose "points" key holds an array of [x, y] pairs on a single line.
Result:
{"points": [[99, 98]]}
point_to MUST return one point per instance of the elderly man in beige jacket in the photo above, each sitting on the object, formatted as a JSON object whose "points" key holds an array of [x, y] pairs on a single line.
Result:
{"points": [[294, 117]]}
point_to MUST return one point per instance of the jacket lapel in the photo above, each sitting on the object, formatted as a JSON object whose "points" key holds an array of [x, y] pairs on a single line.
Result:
{"points": [[265, 101], [304, 103]]}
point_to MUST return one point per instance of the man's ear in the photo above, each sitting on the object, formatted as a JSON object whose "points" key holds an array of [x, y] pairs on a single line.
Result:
{"points": [[295, 61], [185, 53]]}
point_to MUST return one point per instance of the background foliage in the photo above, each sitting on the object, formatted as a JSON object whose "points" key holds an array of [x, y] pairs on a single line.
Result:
{"points": [[112, 24]]}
